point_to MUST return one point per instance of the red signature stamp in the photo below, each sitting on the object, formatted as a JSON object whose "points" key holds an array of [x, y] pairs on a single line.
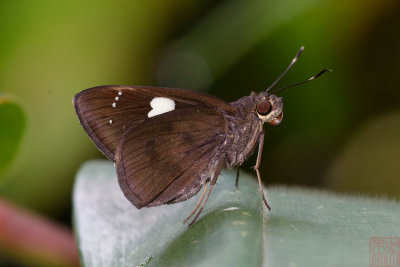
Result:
{"points": [[384, 251]]}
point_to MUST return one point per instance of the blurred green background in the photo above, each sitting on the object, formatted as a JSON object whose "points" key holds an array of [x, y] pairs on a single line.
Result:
{"points": [[341, 131]]}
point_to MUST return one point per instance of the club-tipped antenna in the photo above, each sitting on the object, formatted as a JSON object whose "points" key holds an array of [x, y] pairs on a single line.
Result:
{"points": [[287, 69], [298, 83]]}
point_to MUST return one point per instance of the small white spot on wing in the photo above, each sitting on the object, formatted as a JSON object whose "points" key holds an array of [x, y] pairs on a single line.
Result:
{"points": [[110, 121], [116, 98], [161, 105], [114, 105], [119, 93]]}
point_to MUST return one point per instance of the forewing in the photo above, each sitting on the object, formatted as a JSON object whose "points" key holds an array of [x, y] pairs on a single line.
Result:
{"points": [[168, 156], [107, 112]]}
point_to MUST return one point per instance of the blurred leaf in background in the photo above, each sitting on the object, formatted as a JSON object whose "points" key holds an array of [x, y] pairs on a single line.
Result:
{"points": [[373, 152], [12, 126], [52, 50]]}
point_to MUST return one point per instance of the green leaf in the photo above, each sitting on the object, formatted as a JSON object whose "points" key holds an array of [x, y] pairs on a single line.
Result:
{"points": [[305, 227], [12, 125]]}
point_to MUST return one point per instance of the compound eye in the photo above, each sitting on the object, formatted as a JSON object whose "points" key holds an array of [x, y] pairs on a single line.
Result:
{"points": [[263, 108]]}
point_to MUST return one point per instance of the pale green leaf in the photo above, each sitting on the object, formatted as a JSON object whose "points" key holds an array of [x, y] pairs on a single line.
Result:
{"points": [[305, 227]]}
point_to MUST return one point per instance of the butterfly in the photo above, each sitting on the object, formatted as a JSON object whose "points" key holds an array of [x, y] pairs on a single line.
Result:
{"points": [[167, 143]]}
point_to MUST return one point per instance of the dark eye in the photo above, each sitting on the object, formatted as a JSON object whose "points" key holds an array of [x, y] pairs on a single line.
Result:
{"points": [[263, 108]]}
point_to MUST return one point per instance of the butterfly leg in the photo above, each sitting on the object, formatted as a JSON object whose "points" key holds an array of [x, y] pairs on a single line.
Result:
{"points": [[212, 183], [198, 203], [202, 206], [256, 168], [237, 176]]}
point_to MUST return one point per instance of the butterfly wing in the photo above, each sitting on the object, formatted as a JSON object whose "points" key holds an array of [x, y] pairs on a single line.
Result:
{"points": [[168, 158], [107, 112]]}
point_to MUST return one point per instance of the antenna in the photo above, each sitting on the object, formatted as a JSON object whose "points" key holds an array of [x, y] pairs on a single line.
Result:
{"points": [[298, 83], [287, 69]]}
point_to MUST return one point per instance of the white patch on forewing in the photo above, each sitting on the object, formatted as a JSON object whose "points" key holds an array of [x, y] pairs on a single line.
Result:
{"points": [[161, 105]]}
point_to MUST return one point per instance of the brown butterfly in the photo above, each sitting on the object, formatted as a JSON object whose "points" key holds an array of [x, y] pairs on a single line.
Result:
{"points": [[169, 143]]}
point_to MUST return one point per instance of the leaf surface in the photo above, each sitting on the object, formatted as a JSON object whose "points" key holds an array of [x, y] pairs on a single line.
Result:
{"points": [[305, 227]]}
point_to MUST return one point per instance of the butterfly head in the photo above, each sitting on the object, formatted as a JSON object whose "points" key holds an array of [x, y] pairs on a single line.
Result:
{"points": [[269, 108]]}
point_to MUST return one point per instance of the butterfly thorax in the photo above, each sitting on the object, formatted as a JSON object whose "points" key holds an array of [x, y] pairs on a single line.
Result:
{"points": [[244, 130]]}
